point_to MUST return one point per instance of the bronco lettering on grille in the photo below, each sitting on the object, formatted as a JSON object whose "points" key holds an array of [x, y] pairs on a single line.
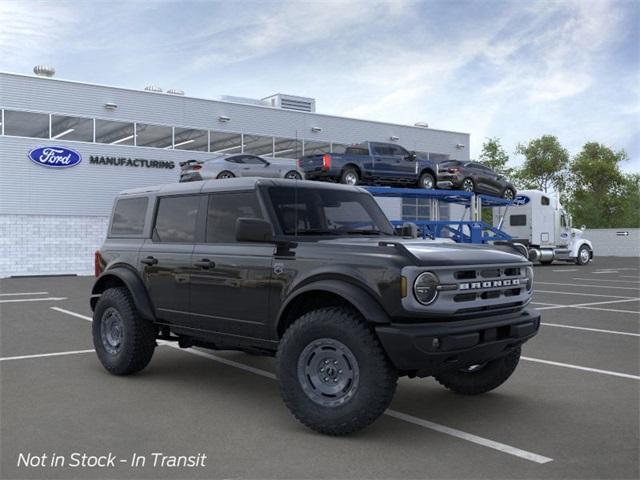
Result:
{"points": [[489, 284]]}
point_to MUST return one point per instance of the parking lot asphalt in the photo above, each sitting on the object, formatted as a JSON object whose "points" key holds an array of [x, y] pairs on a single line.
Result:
{"points": [[570, 410]]}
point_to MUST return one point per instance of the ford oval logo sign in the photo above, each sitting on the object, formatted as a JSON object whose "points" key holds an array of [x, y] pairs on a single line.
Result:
{"points": [[521, 200], [55, 157]]}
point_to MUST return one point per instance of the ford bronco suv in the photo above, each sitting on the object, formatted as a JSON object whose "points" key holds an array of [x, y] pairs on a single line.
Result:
{"points": [[313, 274]]}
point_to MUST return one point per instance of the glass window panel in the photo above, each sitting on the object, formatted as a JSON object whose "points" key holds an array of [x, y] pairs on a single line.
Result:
{"points": [[225, 142], [176, 219], [314, 148], [71, 128], [287, 148], [438, 157], [26, 124], [128, 216], [190, 139], [224, 210], [517, 220], [258, 145], [338, 147], [157, 136], [113, 132]]}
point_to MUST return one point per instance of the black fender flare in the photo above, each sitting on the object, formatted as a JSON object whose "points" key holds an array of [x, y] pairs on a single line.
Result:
{"points": [[363, 301], [133, 282]]}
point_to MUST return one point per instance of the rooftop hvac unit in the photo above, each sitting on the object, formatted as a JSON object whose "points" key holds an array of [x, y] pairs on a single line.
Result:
{"points": [[153, 88], [175, 91], [291, 102], [44, 71]]}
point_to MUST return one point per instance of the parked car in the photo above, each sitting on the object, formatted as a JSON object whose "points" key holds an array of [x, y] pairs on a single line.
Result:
{"points": [[241, 165], [371, 163], [310, 273], [474, 177]]}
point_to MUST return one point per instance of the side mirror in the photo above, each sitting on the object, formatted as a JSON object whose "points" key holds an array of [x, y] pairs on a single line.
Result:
{"points": [[412, 156], [408, 229], [583, 228], [253, 230]]}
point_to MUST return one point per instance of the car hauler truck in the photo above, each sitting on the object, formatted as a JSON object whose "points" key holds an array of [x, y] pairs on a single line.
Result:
{"points": [[539, 221]]}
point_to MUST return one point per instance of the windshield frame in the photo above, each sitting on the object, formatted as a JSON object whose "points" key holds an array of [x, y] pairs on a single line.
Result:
{"points": [[378, 219]]}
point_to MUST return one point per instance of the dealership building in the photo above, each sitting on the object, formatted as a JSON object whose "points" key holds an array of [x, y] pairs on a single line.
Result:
{"points": [[53, 219]]}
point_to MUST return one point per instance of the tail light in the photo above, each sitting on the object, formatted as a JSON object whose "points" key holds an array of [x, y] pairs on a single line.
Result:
{"points": [[454, 170], [326, 161], [98, 263], [196, 167], [298, 163]]}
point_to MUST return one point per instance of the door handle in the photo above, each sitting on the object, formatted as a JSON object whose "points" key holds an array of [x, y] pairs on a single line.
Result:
{"points": [[149, 261], [205, 263]]}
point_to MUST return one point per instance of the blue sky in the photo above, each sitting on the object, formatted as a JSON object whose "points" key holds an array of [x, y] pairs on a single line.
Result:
{"points": [[515, 70]]}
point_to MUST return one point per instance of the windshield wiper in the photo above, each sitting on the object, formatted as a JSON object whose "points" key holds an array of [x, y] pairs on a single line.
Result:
{"points": [[362, 232], [316, 231]]}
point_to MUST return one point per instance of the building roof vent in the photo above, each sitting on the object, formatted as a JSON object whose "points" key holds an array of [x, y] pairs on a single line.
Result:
{"points": [[291, 102], [44, 71], [153, 88], [175, 91]]}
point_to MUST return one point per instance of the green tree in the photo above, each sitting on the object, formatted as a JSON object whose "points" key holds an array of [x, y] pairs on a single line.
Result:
{"points": [[545, 164], [600, 195], [494, 156]]}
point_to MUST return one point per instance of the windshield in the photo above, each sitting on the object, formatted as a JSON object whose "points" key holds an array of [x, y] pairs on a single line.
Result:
{"points": [[310, 211]]}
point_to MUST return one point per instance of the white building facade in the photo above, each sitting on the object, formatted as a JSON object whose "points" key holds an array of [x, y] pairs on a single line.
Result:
{"points": [[53, 219]]}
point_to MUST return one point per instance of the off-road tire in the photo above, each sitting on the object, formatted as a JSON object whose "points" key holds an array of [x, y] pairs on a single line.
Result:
{"points": [[138, 335], [377, 376], [425, 177], [225, 174], [487, 378], [579, 260], [345, 175]]}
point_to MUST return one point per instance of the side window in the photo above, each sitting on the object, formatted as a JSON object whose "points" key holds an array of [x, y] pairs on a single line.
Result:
{"points": [[250, 159], [238, 159], [544, 201], [518, 220], [379, 149], [563, 220], [223, 211], [128, 216], [176, 219], [399, 151]]}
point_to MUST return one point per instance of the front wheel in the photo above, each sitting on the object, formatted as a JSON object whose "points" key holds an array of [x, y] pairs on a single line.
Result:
{"points": [[123, 340], [333, 375], [482, 378], [584, 255]]}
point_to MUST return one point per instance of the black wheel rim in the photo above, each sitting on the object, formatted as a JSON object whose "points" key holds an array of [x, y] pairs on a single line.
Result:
{"points": [[467, 185], [328, 372], [111, 330]]}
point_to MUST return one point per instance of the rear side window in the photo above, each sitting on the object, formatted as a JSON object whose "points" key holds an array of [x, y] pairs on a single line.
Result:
{"points": [[128, 216], [356, 151], [518, 220], [224, 209], [176, 219]]}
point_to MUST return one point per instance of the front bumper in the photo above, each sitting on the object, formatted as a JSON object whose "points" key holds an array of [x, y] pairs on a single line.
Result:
{"points": [[427, 349]]}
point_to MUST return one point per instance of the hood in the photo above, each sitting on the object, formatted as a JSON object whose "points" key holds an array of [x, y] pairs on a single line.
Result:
{"points": [[440, 253]]}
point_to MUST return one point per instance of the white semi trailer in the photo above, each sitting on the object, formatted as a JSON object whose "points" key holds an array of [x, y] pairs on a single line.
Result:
{"points": [[538, 221]]}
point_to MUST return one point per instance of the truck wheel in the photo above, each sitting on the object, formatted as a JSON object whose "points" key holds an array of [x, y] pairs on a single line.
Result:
{"points": [[481, 378], [584, 255], [349, 177], [427, 181], [123, 340], [333, 374]]}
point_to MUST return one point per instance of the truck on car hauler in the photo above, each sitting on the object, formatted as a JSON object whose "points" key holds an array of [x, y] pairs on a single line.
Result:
{"points": [[538, 221], [313, 274]]}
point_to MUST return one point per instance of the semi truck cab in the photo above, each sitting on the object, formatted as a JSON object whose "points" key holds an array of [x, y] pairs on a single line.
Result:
{"points": [[538, 220]]}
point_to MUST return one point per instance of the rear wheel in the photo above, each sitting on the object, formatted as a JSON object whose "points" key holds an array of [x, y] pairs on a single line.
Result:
{"points": [[333, 375], [225, 174], [123, 340], [468, 185], [349, 176], [293, 175], [509, 194], [427, 181], [584, 255], [481, 378]]}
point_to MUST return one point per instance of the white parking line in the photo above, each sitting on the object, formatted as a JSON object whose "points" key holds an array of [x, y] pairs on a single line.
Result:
{"points": [[628, 276], [610, 310], [587, 305], [47, 299], [604, 272], [567, 270], [533, 457], [578, 367], [23, 293], [607, 280], [41, 355], [597, 330], [588, 286], [582, 294]]}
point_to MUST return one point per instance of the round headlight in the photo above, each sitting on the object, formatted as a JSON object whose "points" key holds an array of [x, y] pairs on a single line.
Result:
{"points": [[529, 274], [425, 288]]}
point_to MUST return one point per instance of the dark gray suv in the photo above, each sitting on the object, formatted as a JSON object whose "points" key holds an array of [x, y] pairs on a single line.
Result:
{"points": [[313, 274]]}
